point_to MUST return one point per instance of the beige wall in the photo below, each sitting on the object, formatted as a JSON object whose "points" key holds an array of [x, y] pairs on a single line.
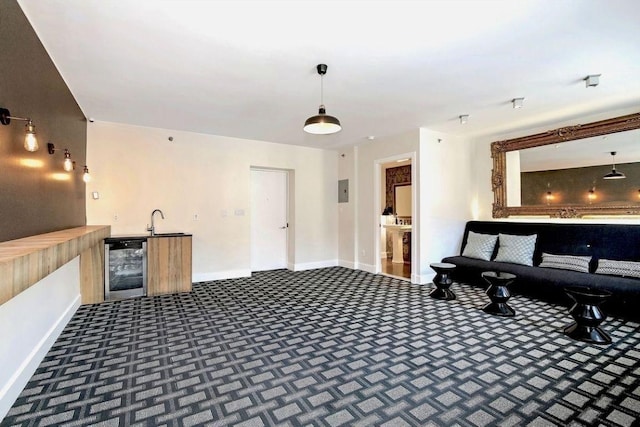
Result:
{"points": [[136, 169]]}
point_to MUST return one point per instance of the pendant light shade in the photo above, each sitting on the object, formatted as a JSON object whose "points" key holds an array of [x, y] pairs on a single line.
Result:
{"points": [[322, 123], [614, 174]]}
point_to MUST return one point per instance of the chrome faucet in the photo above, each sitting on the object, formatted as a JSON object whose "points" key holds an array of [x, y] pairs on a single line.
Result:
{"points": [[152, 229]]}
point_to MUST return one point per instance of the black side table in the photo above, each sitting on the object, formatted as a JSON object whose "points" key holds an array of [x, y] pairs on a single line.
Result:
{"points": [[587, 315], [498, 293], [442, 280]]}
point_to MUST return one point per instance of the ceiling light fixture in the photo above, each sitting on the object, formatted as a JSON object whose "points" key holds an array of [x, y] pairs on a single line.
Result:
{"points": [[30, 140], [464, 118], [592, 80], [322, 124], [517, 102], [614, 174]]}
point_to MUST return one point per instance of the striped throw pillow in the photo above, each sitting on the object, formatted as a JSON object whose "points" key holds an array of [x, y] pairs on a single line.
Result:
{"points": [[566, 262], [618, 268]]}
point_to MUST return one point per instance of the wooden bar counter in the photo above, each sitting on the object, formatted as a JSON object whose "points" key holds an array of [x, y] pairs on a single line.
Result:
{"points": [[24, 262]]}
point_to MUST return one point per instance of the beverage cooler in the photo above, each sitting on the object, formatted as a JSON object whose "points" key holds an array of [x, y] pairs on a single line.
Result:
{"points": [[125, 267]]}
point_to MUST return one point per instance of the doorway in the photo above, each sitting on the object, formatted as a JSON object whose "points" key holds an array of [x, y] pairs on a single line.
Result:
{"points": [[395, 213], [269, 224]]}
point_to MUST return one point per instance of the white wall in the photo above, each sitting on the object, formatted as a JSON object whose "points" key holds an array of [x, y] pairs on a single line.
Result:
{"points": [[367, 212], [31, 322], [136, 169], [346, 211], [446, 196]]}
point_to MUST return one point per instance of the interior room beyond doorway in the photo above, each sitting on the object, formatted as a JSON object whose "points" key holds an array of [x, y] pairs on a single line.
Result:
{"points": [[396, 218]]}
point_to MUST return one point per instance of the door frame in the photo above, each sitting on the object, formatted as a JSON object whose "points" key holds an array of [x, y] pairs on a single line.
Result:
{"points": [[289, 203], [415, 220]]}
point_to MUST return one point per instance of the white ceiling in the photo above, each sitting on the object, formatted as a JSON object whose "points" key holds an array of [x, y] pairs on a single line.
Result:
{"points": [[247, 68]]}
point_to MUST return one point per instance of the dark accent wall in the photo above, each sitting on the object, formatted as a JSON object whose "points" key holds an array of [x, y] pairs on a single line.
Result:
{"points": [[570, 186], [36, 194], [394, 176]]}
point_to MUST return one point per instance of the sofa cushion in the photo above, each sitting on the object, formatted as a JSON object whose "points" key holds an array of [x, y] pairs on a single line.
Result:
{"points": [[618, 268], [480, 246], [566, 262], [516, 249]]}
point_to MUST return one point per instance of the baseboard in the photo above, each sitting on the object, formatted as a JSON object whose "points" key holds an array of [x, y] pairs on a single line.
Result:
{"points": [[220, 275], [347, 264], [366, 267], [316, 264], [421, 279], [12, 389]]}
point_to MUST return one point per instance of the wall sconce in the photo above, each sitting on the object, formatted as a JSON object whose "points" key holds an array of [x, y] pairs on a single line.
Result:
{"points": [[85, 175], [68, 165], [517, 102], [30, 140]]}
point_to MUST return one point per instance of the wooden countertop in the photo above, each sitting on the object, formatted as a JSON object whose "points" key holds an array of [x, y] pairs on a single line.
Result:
{"points": [[24, 262]]}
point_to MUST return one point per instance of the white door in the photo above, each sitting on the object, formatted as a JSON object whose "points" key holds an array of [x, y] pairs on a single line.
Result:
{"points": [[268, 220]]}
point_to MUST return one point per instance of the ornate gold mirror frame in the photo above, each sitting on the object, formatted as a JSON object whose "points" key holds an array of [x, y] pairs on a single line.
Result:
{"points": [[570, 133]]}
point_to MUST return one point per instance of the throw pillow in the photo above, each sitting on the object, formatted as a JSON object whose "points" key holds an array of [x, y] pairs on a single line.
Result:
{"points": [[516, 249], [480, 246], [566, 262], [618, 268]]}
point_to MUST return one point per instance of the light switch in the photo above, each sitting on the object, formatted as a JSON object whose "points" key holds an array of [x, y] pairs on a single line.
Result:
{"points": [[239, 212]]}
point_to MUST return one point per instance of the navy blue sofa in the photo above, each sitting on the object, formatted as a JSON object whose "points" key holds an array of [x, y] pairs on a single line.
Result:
{"points": [[607, 241]]}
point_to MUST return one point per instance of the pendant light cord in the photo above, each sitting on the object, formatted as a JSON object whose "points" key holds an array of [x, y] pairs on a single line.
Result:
{"points": [[322, 89]]}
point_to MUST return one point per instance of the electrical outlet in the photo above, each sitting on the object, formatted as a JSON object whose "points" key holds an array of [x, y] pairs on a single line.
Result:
{"points": [[115, 217]]}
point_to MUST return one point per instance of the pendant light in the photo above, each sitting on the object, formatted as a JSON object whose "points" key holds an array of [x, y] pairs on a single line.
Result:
{"points": [[322, 124], [614, 174]]}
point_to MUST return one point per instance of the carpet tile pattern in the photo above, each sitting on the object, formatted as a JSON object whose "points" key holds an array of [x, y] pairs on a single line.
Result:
{"points": [[329, 347]]}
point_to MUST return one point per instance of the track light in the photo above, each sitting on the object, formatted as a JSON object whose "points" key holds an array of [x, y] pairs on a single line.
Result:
{"points": [[30, 140], [592, 80], [517, 102], [322, 123], [464, 118]]}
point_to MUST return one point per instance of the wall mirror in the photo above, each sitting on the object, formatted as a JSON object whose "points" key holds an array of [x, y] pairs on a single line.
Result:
{"points": [[560, 173], [402, 200]]}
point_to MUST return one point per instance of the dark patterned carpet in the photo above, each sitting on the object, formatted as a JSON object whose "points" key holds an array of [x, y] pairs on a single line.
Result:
{"points": [[329, 347]]}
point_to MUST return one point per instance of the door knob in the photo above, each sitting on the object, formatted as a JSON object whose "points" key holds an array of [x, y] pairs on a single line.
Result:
{"points": [[282, 228]]}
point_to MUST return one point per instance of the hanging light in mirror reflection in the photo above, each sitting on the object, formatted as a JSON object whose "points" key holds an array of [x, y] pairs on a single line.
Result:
{"points": [[549, 197], [591, 194], [85, 175], [614, 174]]}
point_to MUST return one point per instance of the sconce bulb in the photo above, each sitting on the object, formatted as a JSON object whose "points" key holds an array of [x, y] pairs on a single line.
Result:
{"points": [[68, 164], [30, 140], [85, 176]]}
